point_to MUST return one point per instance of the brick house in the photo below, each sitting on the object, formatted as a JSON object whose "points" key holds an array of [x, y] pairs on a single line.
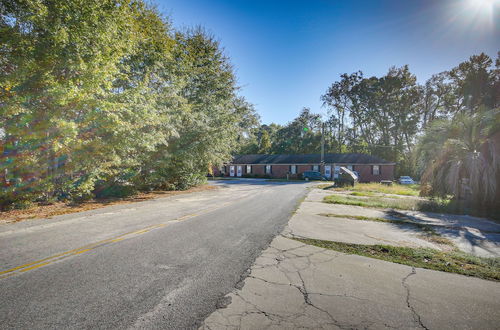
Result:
{"points": [[370, 168]]}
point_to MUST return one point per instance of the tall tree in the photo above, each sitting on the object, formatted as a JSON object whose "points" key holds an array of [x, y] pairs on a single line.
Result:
{"points": [[58, 68], [338, 99], [300, 136], [265, 143], [378, 115]]}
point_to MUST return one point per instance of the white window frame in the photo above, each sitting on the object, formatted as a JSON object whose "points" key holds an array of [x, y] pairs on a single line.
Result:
{"points": [[239, 171], [269, 169], [315, 168], [293, 169], [377, 171], [231, 170], [336, 171], [249, 169]]}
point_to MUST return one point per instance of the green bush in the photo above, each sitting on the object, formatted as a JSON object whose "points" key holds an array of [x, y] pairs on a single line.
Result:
{"points": [[114, 191]]}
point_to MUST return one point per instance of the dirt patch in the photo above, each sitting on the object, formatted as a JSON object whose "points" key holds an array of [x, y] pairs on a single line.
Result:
{"points": [[47, 211]]}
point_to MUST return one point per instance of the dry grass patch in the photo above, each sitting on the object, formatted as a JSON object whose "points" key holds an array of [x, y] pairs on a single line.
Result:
{"points": [[59, 208], [414, 204], [395, 189]]}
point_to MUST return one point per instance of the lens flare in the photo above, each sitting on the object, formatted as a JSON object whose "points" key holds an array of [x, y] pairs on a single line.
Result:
{"points": [[482, 12]]}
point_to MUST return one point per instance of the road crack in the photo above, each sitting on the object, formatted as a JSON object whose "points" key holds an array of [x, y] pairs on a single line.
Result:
{"points": [[308, 301], [416, 316]]}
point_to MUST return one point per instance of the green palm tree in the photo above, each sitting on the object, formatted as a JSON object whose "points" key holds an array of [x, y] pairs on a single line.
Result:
{"points": [[461, 157]]}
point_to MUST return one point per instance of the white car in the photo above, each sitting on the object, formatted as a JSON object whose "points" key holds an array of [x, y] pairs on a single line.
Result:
{"points": [[405, 180]]}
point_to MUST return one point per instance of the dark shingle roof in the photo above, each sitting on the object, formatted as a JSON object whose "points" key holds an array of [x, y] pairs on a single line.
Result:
{"points": [[309, 159]]}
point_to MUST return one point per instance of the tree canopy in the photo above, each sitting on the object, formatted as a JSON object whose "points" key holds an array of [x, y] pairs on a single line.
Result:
{"points": [[100, 96]]}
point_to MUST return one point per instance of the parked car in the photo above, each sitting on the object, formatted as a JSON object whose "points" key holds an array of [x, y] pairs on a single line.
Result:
{"points": [[405, 180], [313, 175]]}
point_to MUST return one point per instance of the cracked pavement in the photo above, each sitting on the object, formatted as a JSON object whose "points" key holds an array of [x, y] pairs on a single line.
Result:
{"points": [[292, 285], [297, 286]]}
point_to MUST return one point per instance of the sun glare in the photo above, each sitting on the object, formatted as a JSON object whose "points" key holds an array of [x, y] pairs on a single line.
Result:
{"points": [[478, 15], [481, 9], [482, 5]]}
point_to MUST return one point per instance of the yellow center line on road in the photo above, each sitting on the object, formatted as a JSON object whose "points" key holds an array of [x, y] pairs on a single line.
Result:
{"points": [[76, 251], [36, 266], [141, 231], [80, 250]]}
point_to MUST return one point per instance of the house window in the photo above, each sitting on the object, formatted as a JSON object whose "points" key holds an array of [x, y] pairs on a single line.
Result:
{"points": [[293, 169], [350, 167], [268, 169], [315, 168], [376, 169], [249, 169]]}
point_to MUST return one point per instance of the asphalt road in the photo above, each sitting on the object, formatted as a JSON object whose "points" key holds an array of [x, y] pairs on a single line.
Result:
{"points": [[163, 263]]}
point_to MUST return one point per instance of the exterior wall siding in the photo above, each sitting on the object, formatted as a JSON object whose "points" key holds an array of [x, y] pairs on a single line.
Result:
{"points": [[387, 172], [279, 171], [365, 173], [302, 168], [258, 169]]}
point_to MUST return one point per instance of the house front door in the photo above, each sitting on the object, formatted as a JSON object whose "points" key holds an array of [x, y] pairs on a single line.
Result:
{"points": [[231, 170], [328, 171], [336, 172], [238, 170]]}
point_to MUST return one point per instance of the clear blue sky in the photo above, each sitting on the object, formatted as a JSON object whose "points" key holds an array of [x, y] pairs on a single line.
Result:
{"points": [[287, 53]]}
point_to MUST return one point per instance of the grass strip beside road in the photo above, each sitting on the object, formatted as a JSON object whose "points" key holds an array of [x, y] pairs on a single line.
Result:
{"points": [[395, 189], [402, 204], [444, 206], [366, 194], [452, 262]]}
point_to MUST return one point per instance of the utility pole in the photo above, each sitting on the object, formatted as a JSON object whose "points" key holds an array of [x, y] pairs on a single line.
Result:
{"points": [[322, 144]]}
